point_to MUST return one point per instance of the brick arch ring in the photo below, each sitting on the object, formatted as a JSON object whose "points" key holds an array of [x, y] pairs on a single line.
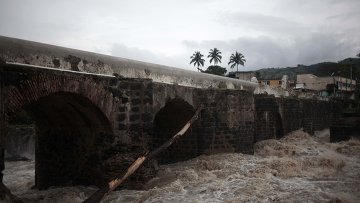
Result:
{"points": [[42, 85]]}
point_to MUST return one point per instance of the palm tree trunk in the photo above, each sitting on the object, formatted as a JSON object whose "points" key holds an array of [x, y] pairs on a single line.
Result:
{"points": [[237, 67]]}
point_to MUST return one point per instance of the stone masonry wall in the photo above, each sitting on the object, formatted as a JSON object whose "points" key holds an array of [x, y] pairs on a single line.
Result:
{"points": [[276, 117], [311, 115], [347, 124], [117, 121], [133, 117], [133, 125], [317, 115], [266, 116], [292, 114], [227, 121], [173, 106]]}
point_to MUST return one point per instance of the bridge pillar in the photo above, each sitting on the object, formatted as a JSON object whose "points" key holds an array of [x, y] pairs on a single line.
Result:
{"points": [[2, 125], [2, 119], [2, 162]]}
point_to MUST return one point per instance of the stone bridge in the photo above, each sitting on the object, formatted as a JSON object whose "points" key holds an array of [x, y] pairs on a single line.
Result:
{"points": [[95, 113]]}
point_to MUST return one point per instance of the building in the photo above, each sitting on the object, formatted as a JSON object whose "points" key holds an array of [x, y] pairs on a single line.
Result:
{"points": [[271, 82], [242, 75], [312, 82]]}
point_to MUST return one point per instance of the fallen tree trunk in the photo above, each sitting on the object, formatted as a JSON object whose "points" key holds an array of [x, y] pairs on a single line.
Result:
{"points": [[112, 185]]}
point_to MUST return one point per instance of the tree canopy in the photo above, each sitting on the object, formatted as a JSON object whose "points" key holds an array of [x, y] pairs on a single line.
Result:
{"points": [[197, 59], [215, 55], [236, 59], [216, 70]]}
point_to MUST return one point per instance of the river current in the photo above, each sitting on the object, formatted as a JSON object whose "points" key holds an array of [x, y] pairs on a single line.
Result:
{"points": [[296, 168]]}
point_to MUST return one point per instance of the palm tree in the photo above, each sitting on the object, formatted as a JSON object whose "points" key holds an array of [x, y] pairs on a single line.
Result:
{"points": [[215, 55], [197, 59], [236, 59]]}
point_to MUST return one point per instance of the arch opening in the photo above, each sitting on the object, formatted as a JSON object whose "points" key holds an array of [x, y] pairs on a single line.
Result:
{"points": [[168, 121], [279, 130], [19, 173], [71, 134]]}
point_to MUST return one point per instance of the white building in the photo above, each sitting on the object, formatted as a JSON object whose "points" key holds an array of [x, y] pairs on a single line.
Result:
{"points": [[312, 82]]}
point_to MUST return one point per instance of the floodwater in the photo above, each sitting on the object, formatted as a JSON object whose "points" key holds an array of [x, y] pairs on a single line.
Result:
{"points": [[297, 168]]}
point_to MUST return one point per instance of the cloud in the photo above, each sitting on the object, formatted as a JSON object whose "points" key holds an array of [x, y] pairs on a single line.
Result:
{"points": [[345, 16], [258, 52], [269, 33], [134, 53], [261, 23], [120, 50], [264, 51]]}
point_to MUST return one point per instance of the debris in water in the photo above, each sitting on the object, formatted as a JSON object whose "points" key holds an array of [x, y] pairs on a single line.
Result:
{"points": [[296, 168]]}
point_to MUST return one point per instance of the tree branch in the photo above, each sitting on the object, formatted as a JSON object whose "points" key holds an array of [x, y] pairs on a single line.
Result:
{"points": [[113, 184]]}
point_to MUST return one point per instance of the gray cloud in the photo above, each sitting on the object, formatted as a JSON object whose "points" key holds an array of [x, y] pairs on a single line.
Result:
{"points": [[345, 16], [269, 33], [123, 51], [134, 53], [261, 52], [262, 23]]}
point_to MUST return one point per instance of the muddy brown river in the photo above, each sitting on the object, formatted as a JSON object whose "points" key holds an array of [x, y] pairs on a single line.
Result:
{"points": [[296, 168]]}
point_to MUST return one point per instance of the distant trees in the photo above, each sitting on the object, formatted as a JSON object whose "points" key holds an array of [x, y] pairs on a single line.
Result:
{"points": [[215, 55], [236, 59], [216, 70], [257, 74], [197, 59], [358, 55]]}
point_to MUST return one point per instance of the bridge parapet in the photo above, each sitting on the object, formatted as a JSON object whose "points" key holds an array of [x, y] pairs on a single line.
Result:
{"points": [[27, 52]]}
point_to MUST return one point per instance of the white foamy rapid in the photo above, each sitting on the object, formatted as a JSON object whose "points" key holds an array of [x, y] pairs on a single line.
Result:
{"points": [[297, 168]]}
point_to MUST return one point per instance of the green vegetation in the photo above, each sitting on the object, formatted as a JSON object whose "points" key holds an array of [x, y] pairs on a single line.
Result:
{"points": [[236, 59], [342, 68], [349, 67], [216, 70], [215, 55], [197, 59]]}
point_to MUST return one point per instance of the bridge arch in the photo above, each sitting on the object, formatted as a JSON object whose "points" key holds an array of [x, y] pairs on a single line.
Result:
{"points": [[30, 90], [278, 126], [73, 117], [168, 121]]}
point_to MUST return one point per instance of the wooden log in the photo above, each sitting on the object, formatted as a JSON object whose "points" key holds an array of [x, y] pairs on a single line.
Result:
{"points": [[113, 184]]}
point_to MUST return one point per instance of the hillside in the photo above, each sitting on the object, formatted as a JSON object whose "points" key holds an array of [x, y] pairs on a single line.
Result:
{"points": [[341, 68]]}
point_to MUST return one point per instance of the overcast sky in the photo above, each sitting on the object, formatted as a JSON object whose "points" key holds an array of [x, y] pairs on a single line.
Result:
{"points": [[276, 33]]}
